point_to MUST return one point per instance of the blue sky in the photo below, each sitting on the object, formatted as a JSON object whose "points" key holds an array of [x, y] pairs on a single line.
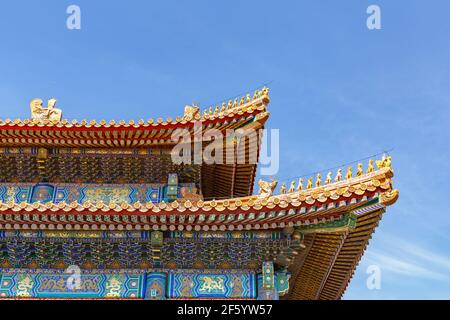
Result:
{"points": [[340, 92]]}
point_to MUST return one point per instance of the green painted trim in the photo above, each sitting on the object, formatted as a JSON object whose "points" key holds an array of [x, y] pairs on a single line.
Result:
{"points": [[346, 223]]}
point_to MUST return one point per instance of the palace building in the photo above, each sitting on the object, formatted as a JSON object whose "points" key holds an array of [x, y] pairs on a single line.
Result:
{"points": [[100, 210]]}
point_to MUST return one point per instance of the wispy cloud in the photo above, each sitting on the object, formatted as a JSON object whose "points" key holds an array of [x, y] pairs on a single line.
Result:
{"points": [[402, 267], [409, 270], [422, 253], [402, 257]]}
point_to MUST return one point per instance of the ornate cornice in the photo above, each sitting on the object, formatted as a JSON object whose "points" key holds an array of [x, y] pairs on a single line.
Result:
{"points": [[312, 206], [228, 111]]}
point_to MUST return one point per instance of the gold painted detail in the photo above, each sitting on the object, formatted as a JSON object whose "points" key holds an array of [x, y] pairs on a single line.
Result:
{"points": [[191, 195], [24, 286], [370, 182], [38, 112], [190, 112], [385, 162], [51, 116], [113, 287], [211, 284], [390, 197], [266, 188]]}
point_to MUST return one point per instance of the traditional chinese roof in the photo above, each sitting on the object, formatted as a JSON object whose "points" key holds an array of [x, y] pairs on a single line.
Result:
{"points": [[292, 209], [129, 152], [321, 232], [335, 220], [324, 269], [66, 133]]}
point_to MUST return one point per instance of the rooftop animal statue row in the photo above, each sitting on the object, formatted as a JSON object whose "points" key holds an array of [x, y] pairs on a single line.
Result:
{"points": [[385, 162]]}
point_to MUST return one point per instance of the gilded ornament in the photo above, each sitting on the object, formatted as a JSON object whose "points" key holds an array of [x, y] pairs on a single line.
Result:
{"points": [[359, 171], [318, 180], [309, 184], [266, 188], [292, 187], [300, 184], [388, 198], [349, 173], [385, 162], [40, 113], [283, 188], [370, 167], [328, 179], [338, 176]]}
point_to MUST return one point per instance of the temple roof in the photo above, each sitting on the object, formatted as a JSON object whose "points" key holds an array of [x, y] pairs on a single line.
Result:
{"points": [[47, 132], [315, 205], [75, 151], [335, 222]]}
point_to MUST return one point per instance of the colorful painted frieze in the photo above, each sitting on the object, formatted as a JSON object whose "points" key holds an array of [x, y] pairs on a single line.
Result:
{"points": [[129, 284], [197, 285], [82, 193], [65, 285]]}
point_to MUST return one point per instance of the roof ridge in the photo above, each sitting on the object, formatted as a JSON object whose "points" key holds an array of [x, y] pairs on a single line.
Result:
{"points": [[246, 105]]}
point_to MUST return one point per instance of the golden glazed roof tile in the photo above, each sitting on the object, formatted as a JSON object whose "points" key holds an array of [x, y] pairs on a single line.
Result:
{"points": [[256, 104], [380, 180]]}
